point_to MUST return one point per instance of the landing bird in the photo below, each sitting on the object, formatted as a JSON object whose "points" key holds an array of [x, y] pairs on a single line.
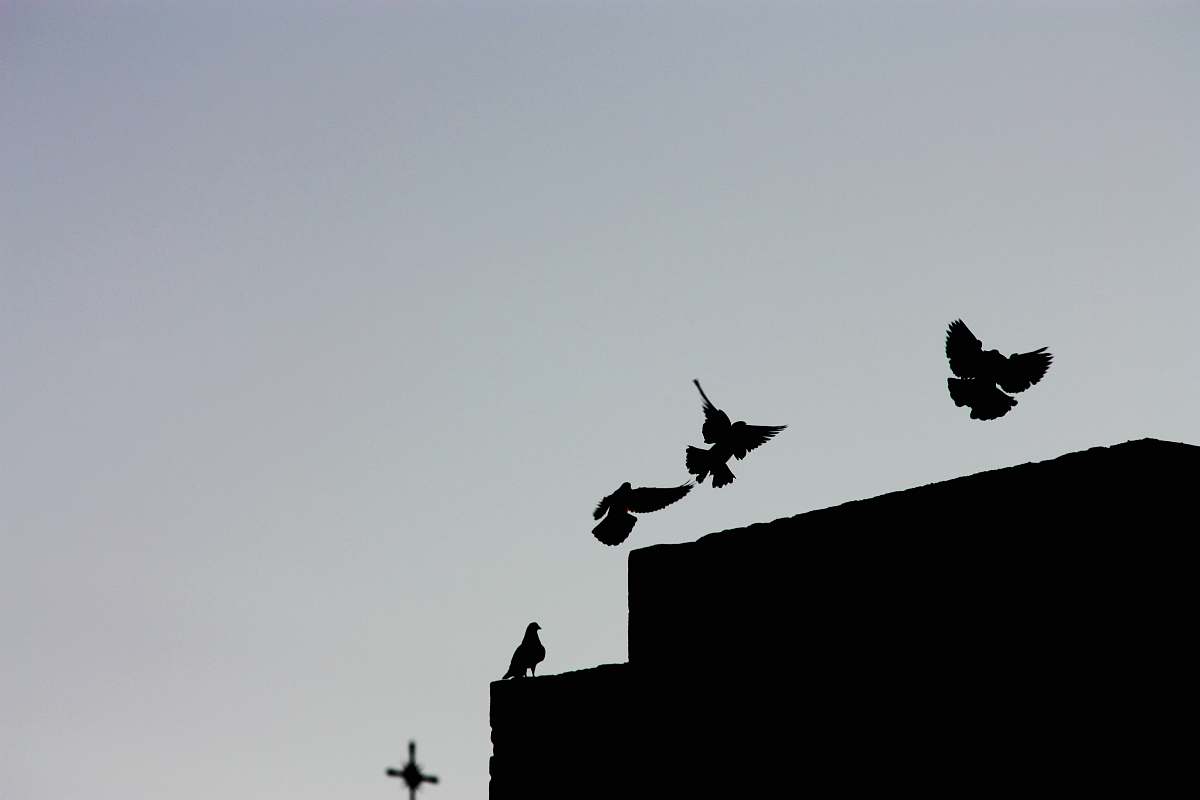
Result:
{"points": [[981, 371], [616, 508], [411, 774], [727, 440], [528, 655]]}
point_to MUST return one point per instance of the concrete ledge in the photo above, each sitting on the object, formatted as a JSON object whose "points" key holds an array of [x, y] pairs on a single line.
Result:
{"points": [[551, 731], [1024, 627], [1026, 551]]}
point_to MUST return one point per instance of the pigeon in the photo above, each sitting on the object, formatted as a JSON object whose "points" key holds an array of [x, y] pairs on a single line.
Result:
{"points": [[528, 655], [985, 375], [615, 508], [727, 440]]}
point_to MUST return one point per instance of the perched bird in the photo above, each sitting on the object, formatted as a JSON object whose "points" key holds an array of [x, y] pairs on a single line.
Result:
{"points": [[528, 655], [982, 374], [727, 440], [616, 508]]}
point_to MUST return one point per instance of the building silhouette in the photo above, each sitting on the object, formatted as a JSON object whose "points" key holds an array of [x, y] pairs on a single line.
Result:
{"points": [[1023, 629]]}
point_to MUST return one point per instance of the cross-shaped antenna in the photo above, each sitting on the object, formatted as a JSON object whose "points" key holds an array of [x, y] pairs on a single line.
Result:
{"points": [[411, 774]]}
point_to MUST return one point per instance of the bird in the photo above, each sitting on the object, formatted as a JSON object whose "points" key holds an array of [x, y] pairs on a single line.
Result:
{"points": [[736, 439], [616, 508], [985, 375], [528, 655]]}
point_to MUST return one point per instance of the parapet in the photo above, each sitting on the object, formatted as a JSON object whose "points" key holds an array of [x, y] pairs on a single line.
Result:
{"points": [[1018, 628]]}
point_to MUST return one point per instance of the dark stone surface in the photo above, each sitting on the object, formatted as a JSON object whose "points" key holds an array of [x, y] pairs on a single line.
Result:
{"points": [[550, 731], [1025, 629]]}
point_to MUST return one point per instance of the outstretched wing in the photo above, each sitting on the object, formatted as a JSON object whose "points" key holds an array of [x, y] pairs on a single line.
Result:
{"points": [[963, 350], [601, 507], [745, 438], [614, 528], [716, 421], [1022, 370], [643, 500]]}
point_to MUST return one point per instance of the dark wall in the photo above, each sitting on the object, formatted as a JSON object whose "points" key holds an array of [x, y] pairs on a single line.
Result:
{"points": [[1000, 553], [551, 733], [1026, 627]]}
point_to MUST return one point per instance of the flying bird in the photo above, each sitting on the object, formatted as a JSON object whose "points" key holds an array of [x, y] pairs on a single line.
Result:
{"points": [[528, 655], [985, 375], [616, 508], [736, 439]]}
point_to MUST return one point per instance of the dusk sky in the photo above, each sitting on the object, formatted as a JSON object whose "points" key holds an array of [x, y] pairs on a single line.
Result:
{"points": [[325, 325]]}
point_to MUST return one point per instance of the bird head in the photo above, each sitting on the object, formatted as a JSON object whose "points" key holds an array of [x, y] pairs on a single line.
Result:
{"points": [[533, 626], [625, 487]]}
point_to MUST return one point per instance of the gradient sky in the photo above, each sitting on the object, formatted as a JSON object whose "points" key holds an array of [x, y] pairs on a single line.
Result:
{"points": [[323, 329]]}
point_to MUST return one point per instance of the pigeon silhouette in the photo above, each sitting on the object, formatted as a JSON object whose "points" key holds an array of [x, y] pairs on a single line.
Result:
{"points": [[616, 508], [736, 439], [983, 374], [528, 655]]}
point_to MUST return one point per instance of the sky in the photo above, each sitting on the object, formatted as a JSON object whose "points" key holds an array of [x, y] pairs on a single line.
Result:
{"points": [[324, 326]]}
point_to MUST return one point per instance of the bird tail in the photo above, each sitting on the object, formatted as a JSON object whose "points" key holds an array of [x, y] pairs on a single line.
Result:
{"points": [[697, 463], [959, 391], [984, 399], [615, 527], [700, 463], [722, 475]]}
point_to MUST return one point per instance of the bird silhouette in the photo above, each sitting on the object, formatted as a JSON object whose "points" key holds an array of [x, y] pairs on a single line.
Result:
{"points": [[736, 439], [616, 508], [528, 655], [983, 374]]}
